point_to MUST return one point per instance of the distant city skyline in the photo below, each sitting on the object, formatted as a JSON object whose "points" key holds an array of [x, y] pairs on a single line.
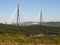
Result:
{"points": [[30, 10]]}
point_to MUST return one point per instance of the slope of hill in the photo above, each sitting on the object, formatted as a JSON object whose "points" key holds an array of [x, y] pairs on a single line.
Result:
{"points": [[21, 34], [29, 29]]}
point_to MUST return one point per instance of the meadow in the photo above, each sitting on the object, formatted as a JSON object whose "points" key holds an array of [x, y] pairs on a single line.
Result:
{"points": [[20, 35]]}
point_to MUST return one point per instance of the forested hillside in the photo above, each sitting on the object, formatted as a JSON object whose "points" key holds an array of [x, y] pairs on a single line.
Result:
{"points": [[29, 29]]}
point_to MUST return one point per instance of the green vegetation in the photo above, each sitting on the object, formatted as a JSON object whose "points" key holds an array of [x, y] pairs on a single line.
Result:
{"points": [[21, 34], [28, 30]]}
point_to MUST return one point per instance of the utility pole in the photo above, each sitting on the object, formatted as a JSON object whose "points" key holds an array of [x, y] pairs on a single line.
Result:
{"points": [[41, 18], [18, 19]]}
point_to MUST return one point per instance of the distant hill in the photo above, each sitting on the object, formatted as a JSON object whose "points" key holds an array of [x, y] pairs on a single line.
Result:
{"points": [[44, 23], [53, 23]]}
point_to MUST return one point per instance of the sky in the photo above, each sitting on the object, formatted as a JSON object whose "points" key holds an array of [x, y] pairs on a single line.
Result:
{"points": [[30, 10]]}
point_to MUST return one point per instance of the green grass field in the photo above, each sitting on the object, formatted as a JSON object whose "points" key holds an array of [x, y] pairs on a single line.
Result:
{"points": [[21, 34]]}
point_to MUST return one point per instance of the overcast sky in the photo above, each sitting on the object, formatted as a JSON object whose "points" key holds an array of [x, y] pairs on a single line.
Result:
{"points": [[30, 9]]}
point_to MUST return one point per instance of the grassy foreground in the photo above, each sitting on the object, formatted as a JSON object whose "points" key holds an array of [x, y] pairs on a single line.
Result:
{"points": [[21, 34]]}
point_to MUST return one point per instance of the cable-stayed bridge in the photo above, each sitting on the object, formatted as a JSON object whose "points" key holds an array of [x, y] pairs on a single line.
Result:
{"points": [[17, 17]]}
